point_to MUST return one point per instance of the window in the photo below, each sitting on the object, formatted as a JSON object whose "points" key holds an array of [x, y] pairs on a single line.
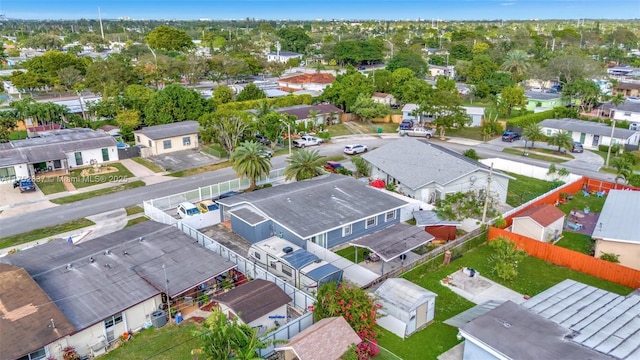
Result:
{"points": [[115, 319], [138, 138], [548, 132], [391, 215], [36, 355], [166, 144], [57, 164], [7, 173], [256, 255], [78, 158], [627, 114], [186, 141], [346, 231], [105, 154], [287, 270], [150, 143], [372, 221]]}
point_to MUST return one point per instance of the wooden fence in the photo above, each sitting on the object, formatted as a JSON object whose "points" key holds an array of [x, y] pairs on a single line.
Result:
{"points": [[572, 259]]}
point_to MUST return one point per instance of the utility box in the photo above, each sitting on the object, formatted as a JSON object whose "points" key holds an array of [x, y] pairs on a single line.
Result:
{"points": [[159, 318]]}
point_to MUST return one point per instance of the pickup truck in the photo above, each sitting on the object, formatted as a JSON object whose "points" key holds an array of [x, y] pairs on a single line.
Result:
{"points": [[306, 141], [418, 131]]}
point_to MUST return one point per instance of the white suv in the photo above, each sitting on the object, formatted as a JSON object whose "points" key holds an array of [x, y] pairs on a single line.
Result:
{"points": [[187, 209]]}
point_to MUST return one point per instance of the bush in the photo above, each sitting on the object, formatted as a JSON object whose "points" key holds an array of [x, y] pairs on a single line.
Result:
{"points": [[615, 148], [279, 102], [471, 154], [610, 258], [324, 135], [557, 113]]}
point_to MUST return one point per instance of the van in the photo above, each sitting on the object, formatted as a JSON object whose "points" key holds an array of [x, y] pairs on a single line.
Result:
{"points": [[187, 209]]}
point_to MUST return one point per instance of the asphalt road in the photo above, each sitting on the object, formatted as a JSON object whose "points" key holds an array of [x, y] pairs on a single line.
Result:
{"points": [[64, 213]]}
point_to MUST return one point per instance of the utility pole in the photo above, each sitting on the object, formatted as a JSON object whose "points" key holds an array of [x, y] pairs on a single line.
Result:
{"points": [[613, 128], [101, 29], [486, 196], [166, 291]]}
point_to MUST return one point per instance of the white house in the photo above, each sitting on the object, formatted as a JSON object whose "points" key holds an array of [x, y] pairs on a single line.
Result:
{"points": [[407, 306], [543, 223], [628, 111], [167, 138], [429, 172], [446, 71], [591, 134], [409, 112], [383, 98], [475, 113], [313, 81], [282, 56]]}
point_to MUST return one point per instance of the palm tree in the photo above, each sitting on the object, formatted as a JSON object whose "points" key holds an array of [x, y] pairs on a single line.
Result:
{"points": [[561, 139], [303, 164], [623, 168], [618, 99], [517, 63], [250, 161], [533, 133]]}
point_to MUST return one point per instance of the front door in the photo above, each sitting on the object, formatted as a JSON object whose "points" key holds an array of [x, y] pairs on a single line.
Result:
{"points": [[596, 140], [582, 137]]}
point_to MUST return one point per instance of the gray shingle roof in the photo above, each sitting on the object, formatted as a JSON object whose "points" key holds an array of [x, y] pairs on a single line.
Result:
{"points": [[254, 299], [632, 106], [90, 291], [587, 127], [313, 206], [53, 146], [416, 163], [181, 128], [618, 220], [534, 95], [302, 111]]}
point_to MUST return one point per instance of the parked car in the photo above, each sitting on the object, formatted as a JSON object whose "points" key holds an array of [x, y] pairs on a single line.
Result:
{"points": [[306, 140], [332, 166], [418, 131], [510, 136], [207, 205], [536, 89], [577, 147], [362, 67], [394, 106], [187, 209], [263, 140], [25, 185], [266, 153], [355, 149], [406, 125], [225, 195]]}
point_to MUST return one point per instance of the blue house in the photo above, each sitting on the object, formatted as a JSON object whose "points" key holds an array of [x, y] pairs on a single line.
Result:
{"points": [[328, 210]]}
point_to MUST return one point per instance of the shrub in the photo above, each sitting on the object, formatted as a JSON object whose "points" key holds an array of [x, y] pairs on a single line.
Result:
{"points": [[557, 113], [324, 135], [362, 167], [344, 171], [471, 154], [505, 258], [610, 258]]}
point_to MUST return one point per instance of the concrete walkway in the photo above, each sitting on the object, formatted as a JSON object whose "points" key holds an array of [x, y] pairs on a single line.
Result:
{"points": [[479, 289]]}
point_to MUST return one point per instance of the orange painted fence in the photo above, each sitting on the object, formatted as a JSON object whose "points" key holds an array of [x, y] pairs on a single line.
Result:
{"points": [[572, 259]]}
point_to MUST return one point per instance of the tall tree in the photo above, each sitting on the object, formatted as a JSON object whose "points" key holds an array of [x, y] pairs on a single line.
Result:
{"points": [[517, 63], [249, 162], [7, 124], [174, 103], [226, 127], [512, 97], [561, 139], [127, 121], [294, 39], [111, 76], [251, 92], [410, 60], [170, 39], [222, 95], [445, 106], [585, 91], [366, 108], [344, 91], [303, 164], [533, 133]]}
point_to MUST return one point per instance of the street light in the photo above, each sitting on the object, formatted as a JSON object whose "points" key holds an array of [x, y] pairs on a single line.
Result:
{"points": [[390, 43], [155, 58], [288, 135], [613, 127]]}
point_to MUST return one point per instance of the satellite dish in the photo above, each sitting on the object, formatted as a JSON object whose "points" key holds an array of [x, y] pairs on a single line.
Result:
{"points": [[473, 179]]}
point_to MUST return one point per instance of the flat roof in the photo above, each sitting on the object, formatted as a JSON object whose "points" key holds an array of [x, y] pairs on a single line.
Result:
{"points": [[587, 127], [165, 131], [394, 241], [618, 220]]}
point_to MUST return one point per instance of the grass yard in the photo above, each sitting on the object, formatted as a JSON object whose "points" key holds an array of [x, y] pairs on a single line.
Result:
{"points": [[148, 164], [474, 133], [350, 253], [567, 156], [171, 342], [135, 221], [579, 202], [524, 189], [131, 210], [200, 170], [80, 181], [576, 242], [533, 155], [90, 194], [18, 135], [338, 130], [389, 128], [50, 185], [43, 233]]}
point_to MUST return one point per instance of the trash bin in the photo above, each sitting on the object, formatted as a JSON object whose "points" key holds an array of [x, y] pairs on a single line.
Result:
{"points": [[178, 317], [159, 318], [379, 130]]}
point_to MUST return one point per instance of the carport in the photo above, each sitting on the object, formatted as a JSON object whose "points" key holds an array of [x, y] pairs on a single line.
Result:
{"points": [[393, 242]]}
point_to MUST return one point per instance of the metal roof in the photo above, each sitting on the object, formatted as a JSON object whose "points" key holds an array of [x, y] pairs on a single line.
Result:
{"points": [[317, 205], [403, 294], [95, 279], [587, 127], [597, 319], [323, 271], [181, 128], [249, 215], [618, 220], [430, 218], [516, 333], [254, 299], [466, 316], [302, 112], [394, 241], [300, 258], [415, 163]]}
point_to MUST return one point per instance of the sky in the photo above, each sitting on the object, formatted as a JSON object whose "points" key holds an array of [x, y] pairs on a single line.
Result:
{"points": [[323, 9]]}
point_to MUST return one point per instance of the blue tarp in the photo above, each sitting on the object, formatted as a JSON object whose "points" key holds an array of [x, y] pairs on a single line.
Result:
{"points": [[326, 273], [300, 258]]}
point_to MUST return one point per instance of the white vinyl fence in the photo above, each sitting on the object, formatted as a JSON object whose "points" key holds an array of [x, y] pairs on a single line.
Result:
{"points": [[528, 170]]}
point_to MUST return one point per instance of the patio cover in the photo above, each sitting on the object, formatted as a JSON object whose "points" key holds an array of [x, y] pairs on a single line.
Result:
{"points": [[430, 218], [394, 241]]}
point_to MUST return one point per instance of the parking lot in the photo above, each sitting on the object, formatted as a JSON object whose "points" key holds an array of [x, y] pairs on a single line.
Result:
{"points": [[182, 160]]}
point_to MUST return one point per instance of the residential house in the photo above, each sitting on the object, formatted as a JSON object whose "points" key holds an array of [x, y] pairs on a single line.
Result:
{"points": [[406, 307], [446, 71], [627, 88], [622, 72], [324, 113], [110, 129], [409, 112], [56, 150], [543, 223], [259, 303], [429, 172], [616, 231], [310, 81], [282, 56], [30, 323], [591, 134], [569, 321], [328, 339], [476, 114], [543, 100], [167, 138], [112, 284], [382, 98], [327, 210], [628, 111]]}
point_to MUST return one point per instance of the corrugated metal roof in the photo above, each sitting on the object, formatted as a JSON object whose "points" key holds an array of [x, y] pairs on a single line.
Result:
{"points": [[254, 299], [322, 271], [403, 294], [535, 95], [587, 127], [430, 218], [618, 220], [395, 240], [165, 131], [468, 315], [300, 258]]}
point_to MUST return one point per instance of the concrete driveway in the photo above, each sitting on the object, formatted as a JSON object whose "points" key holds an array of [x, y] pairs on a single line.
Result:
{"points": [[182, 160], [10, 196]]}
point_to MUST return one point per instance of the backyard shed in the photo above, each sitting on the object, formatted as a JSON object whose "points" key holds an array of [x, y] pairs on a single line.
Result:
{"points": [[543, 223], [434, 225], [407, 306]]}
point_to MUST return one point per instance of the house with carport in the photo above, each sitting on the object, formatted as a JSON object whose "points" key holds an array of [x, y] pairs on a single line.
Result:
{"points": [[428, 172], [542, 222], [591, 134], [167, 138], [617, 231], [117, 282]]}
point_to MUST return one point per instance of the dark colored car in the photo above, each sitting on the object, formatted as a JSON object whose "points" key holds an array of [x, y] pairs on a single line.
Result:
{"points": [[406, 125], [577, 147], [225, 195], [510, 136], [362, 67], [263, 140], [332, 166], [25, 185]]}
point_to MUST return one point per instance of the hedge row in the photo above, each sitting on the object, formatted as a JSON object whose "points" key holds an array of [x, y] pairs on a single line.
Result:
{"points": [[283, 101], [557, 113]]}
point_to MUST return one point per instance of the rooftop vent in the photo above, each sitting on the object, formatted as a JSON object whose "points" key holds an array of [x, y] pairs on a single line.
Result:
{"points": [[125, 252], [141, 239], [92, 260], [69, 266], [287, 249], [107, 252]]}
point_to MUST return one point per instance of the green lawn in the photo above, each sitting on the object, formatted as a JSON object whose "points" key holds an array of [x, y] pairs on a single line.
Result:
{"points": [[389, 128], [131, 210], [338, 130], [80, 181], [138, 220], [50, 185], [148, 164], [350, 253], [519, 151], [171, 342], [44, 233], [579, 202], [524, 189], [200, 170], [567, 156], [474, 133], [576, 242], [105, 191]]}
